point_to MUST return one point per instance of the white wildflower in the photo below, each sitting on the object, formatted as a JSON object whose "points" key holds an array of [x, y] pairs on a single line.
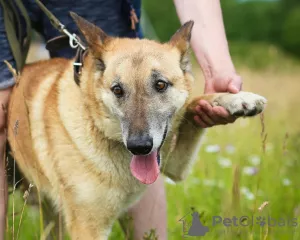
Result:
{"points": [[212, 148], [250, 171], [254, 160], [230, 149], [247, 193], [286, 182], [224, 162]]}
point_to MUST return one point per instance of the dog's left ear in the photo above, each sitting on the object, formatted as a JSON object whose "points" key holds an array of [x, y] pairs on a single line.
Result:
{"points": [[94, 36], [181, 40]]}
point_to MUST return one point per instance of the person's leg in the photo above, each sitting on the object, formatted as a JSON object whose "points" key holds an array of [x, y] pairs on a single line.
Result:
{"points": [[151, 212], [4, 96]]}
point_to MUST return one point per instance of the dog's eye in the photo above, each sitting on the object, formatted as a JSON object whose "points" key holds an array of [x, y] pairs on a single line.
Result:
{"points": [[118, 91], [161, 85]]}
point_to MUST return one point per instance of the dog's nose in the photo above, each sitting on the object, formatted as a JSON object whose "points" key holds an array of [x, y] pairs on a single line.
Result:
{"points": [[140, 145]]}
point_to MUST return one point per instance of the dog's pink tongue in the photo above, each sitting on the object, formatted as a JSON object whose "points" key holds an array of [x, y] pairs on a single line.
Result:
{"points": [[145, 168]]}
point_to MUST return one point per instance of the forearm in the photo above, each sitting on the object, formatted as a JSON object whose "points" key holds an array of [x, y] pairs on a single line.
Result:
{"points": [[208, 38]]}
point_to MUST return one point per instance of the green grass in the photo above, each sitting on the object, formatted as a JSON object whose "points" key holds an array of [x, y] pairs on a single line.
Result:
{"points": [[215, 190]]}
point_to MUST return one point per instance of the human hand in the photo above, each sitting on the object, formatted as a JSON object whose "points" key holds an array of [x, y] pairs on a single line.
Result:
{"points": [[208, 116]]}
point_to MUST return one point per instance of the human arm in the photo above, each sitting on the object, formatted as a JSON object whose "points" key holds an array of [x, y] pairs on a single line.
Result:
{"points": [[211, 50]]}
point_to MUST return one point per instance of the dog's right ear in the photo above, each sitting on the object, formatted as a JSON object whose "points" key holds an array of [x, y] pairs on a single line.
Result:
{"points": [[94, 36]]}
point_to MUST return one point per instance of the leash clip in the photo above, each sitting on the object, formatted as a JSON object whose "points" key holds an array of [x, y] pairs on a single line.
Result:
{"points": [[73, 39]]}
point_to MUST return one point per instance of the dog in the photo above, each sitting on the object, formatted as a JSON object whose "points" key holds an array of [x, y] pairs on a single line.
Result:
{"points": [[94, 146]]}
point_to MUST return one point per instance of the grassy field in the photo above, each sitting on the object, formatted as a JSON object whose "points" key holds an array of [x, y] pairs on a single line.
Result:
{"points": [[240, 167]]}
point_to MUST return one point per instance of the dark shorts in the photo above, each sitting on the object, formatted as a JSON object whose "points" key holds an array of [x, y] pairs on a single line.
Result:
{"points": [[111, 15]]}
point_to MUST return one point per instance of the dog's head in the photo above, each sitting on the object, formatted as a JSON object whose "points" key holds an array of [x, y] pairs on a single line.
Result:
{"points": [[137, 86]]}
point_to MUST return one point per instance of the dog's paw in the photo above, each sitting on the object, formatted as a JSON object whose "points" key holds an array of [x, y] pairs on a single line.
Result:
{"points": [[241, 104]]}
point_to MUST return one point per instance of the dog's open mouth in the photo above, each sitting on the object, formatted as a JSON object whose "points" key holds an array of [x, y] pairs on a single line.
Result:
{"points": [[145, 168]]}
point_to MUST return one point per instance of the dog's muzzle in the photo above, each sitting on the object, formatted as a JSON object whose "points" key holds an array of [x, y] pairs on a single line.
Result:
{"points": [[145, 163]]}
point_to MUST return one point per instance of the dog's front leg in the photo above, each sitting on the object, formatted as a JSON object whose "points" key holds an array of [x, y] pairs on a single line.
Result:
{"points": [[87, 231], [181, 148], [178, 161], [86, 222]]}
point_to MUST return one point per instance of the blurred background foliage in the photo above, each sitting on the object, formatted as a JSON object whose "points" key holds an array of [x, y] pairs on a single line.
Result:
{"points": [[272, 26]]}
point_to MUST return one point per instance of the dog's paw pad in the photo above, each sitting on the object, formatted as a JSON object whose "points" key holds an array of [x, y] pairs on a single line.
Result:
{"points": [[242, 103]]}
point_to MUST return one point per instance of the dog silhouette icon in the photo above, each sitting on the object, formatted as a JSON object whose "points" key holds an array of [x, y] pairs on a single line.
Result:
{"points": [[197, 228]]}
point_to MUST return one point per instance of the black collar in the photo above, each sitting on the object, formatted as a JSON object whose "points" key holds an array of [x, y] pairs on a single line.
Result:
{"points": [[78, 64], [62, 41]]}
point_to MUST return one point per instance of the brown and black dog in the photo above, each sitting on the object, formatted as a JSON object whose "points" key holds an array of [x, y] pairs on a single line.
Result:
{"points": [[93, 147]]}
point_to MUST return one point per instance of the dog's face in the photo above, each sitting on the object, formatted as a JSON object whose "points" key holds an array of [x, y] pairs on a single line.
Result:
{"points": [[141, 83]]}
